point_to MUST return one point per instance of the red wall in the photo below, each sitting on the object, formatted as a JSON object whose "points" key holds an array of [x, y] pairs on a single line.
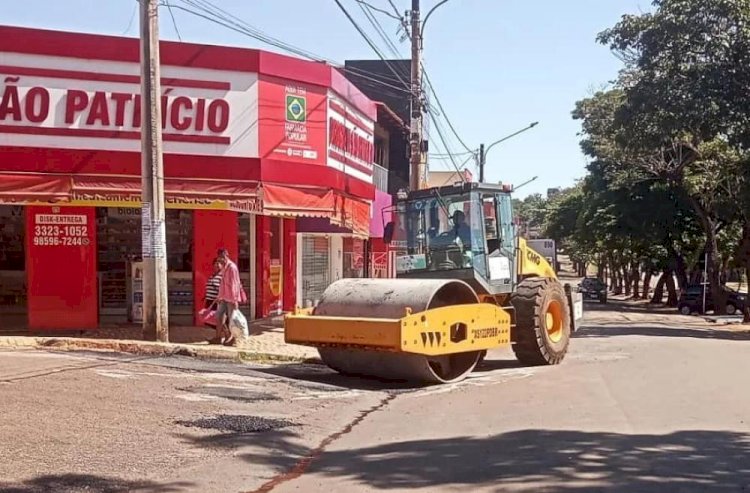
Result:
{"points": [[290, 264], [262, 266], [211, 230], [61, 268]]}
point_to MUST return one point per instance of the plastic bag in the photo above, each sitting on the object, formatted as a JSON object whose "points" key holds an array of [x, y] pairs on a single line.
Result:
{"points": [[208, 317], [238, 325]]}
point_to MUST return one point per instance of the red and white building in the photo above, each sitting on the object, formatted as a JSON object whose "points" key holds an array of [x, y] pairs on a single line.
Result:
{"points": [[253, 141]]}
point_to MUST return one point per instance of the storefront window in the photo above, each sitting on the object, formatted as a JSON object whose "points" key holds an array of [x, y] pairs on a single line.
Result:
{"points": [[12, 258], [119, 244], [354, 257], [180, 263], [316, 268], [245, 258]]}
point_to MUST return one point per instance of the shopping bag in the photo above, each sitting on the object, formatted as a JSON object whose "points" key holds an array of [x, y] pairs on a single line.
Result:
{"points": [[238, 325], [208, 316]]}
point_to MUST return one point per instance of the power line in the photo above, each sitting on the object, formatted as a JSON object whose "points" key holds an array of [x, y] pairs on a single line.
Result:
{"points": [[442, 110], [442, 138], [132, 17], [368, 40], [376, 9], [222, 17], [430, 84], [214, 14], [378, 28], [174, 22]]}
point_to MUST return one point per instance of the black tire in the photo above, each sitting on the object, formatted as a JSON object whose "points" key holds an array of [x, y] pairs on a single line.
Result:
{"points": [[731, 309], [685, 310], [534, 345]]}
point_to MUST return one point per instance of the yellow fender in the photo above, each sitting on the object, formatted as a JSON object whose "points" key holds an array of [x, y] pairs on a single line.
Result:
{"points": [[531, 264]]}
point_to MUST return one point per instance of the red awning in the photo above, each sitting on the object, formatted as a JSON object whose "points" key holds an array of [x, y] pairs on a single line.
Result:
{"points": [[176, 187], [353, 214], [280, 200], [341, 210], [240, 196], [33, 187]]}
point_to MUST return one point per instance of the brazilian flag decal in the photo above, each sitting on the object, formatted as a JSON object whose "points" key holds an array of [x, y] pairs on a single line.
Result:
{"points": [[296, 108]]}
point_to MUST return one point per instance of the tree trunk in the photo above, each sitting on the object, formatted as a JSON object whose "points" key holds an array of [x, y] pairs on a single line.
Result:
{"points": [[671, 291], [628, 281], [680, 269], [714, 257], [646, 285], [658, 297], [616, 280], [635, 277], [743, 255]]}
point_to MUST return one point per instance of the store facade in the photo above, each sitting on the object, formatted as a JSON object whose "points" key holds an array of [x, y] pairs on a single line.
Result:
{"points": [[253, 142]]}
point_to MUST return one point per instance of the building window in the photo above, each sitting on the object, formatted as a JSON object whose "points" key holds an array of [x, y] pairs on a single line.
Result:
{"points": [[381, 152], [354, 258]]}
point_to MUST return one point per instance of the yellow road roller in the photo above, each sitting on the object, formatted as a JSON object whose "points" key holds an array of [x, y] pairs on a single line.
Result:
{"points": [[465, 283]]}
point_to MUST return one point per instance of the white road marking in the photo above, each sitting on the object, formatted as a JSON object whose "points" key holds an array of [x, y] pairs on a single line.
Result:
{"points": [[309, 396], [118, 374], [197, 397], [477, 380]]}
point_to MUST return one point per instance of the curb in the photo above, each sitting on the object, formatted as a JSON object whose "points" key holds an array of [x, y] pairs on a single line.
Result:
{"points": [[142, 348]]}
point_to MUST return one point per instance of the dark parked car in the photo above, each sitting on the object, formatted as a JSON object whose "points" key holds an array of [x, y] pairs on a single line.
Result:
{"points": [[593, 289], [691, 300]]}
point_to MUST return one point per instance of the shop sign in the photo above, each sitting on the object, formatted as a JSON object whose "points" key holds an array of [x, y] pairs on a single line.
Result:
{"points": [[111, 110], [54, 102], [351, 145], [292, 121], [61, 230], [131, 202]]}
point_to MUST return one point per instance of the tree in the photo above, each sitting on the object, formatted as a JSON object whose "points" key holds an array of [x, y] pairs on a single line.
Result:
{"points": [[685, 114]]}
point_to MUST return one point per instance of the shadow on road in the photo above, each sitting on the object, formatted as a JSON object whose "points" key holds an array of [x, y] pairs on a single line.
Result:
{"points": [[540, 460], [629, 307], [615, 330], [75, 483], [321, 374]]}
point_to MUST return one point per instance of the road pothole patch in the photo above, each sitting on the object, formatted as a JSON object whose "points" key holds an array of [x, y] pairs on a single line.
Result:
{"points": [[232, 393], [235, 423]]}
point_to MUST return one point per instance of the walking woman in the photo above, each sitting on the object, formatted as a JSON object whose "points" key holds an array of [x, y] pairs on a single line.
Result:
{"points": [[212, 293]]}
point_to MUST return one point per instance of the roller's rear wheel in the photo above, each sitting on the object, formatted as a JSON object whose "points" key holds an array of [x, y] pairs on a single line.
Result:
{"points": [[542, 322]]}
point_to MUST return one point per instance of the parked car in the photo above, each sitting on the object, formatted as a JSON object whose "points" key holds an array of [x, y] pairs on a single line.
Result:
{"points": [[593, 289], [691, 300]]}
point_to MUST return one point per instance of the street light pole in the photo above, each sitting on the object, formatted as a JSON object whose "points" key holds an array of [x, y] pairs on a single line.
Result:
{"points": [[525, 183], [483, 152]]}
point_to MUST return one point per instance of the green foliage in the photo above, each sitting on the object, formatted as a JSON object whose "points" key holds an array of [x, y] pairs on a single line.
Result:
{"points": [[669, 168]]}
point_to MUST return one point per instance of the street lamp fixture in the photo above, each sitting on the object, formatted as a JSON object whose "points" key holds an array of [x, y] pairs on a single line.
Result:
{"points": [[525, 183], [483, 152]]}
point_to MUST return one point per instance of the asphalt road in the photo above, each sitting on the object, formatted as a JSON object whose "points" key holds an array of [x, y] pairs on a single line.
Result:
{"points": [[644, 403]]}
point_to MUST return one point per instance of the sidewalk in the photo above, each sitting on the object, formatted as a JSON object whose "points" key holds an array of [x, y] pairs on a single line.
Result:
{"points": [[266, 343]]}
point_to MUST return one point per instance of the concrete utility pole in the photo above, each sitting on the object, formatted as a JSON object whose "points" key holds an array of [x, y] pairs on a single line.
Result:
{"points": [[417, 172], [153, 234]]}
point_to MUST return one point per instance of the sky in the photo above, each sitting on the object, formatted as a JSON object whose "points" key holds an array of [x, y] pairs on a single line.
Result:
{"points": [[497, 65]]}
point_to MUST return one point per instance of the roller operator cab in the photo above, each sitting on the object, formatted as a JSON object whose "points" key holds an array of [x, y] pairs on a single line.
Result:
{"points": [[465, 284], [463, 232]]}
